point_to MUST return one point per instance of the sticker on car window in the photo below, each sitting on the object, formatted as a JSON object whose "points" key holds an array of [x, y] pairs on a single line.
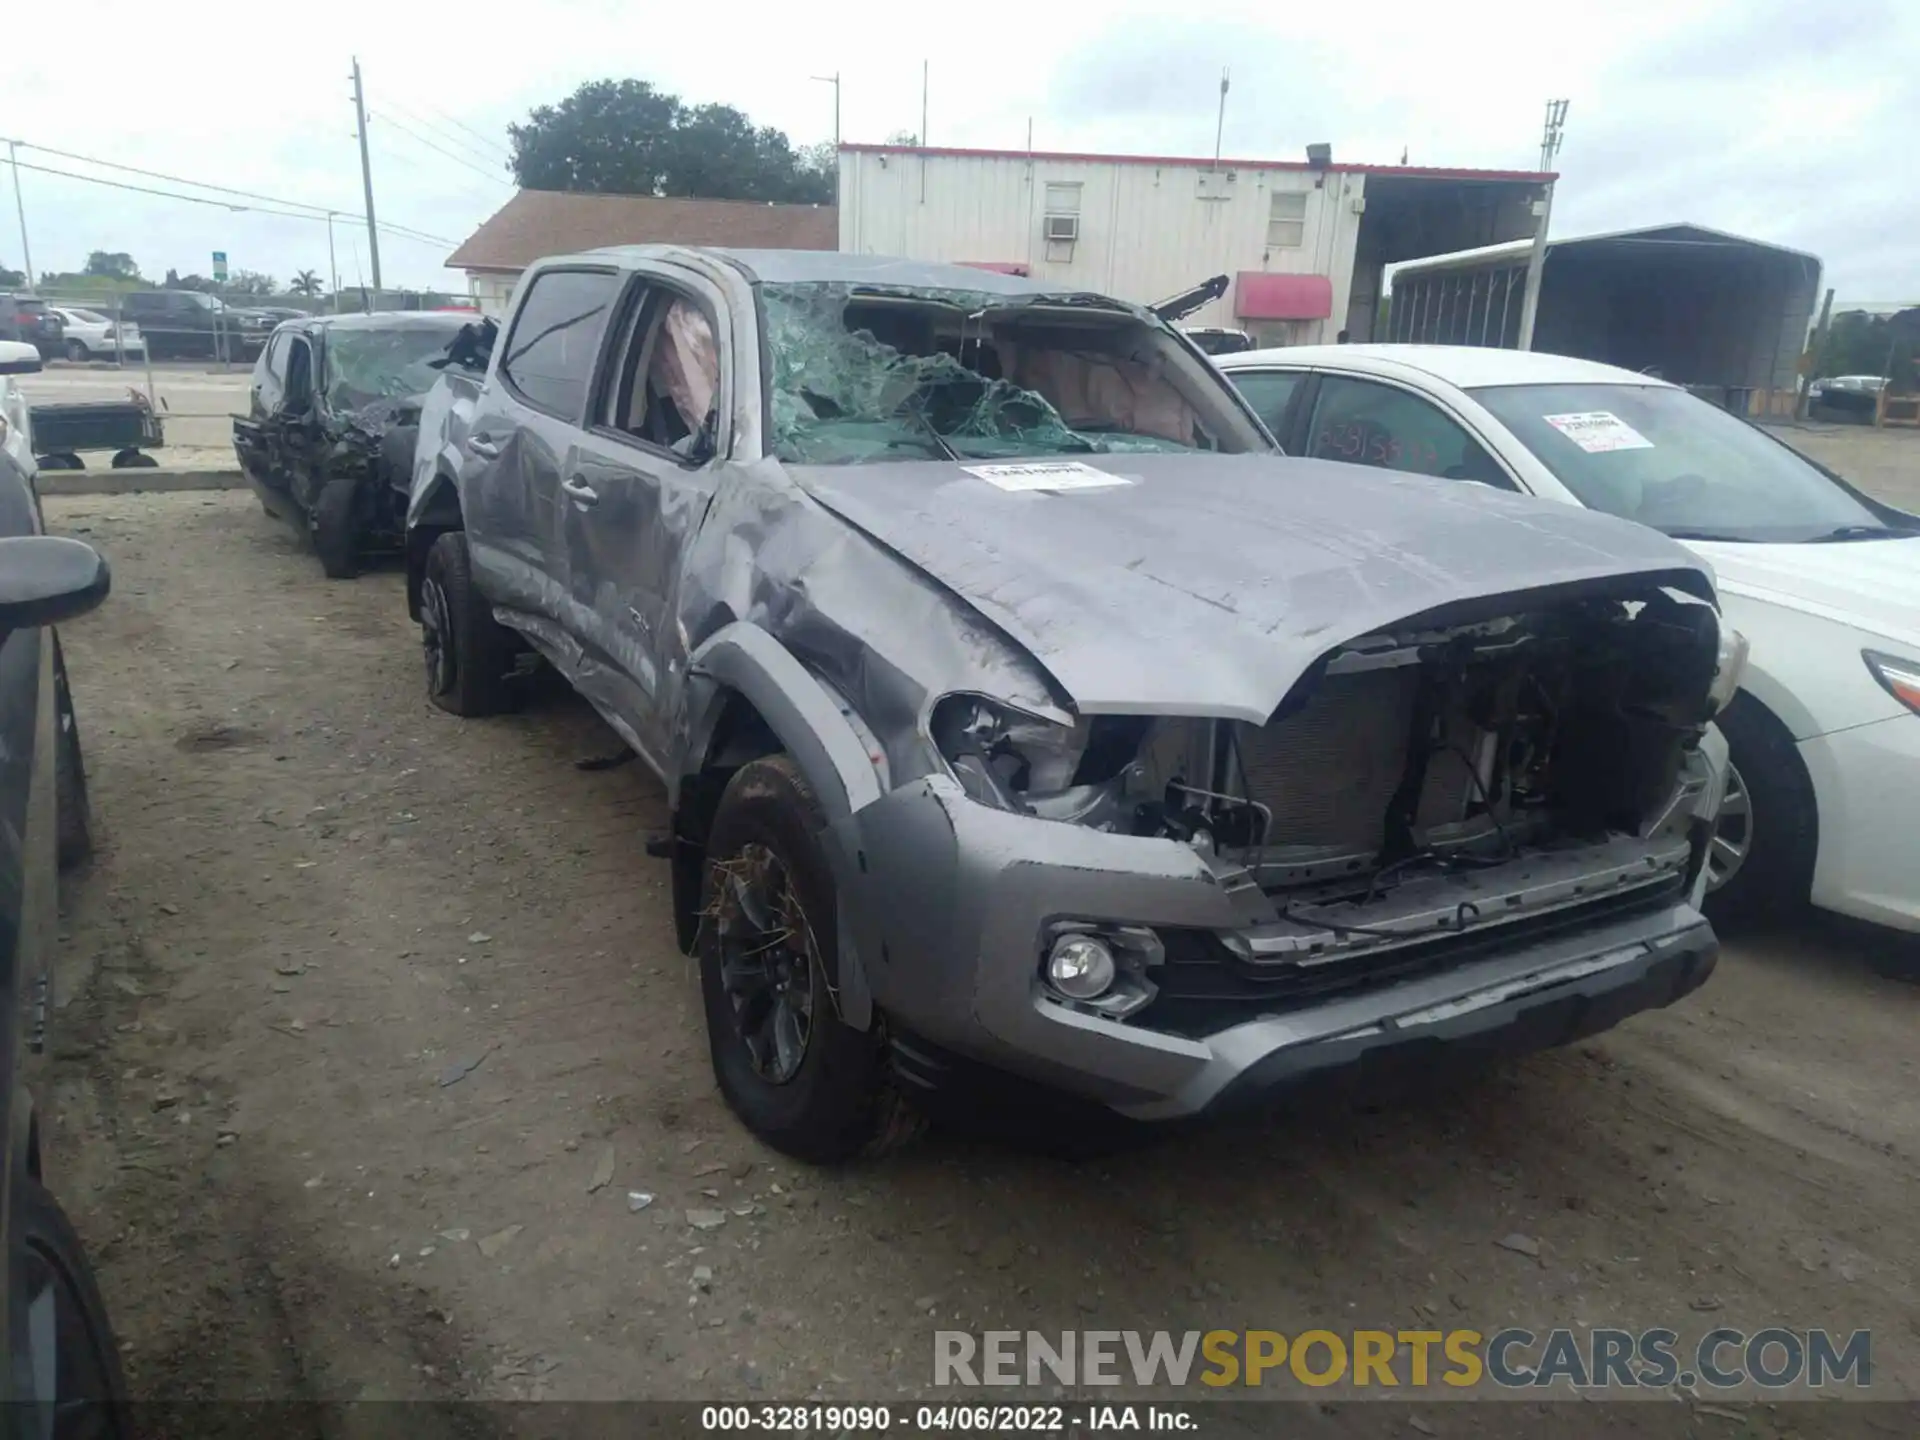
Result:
{"points": [[1598, 431], [1046, 475]]}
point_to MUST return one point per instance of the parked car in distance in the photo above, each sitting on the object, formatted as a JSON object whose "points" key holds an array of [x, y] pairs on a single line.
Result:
{"points": [[61, 1356], [1823, 580], [87, 334], [1021, 712], [332, 416], [190, 325], [1218, 340], [1848, 394], [31, 321]]}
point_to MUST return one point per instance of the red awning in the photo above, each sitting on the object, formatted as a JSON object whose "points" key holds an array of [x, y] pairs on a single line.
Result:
{"points": [[1264, 295], [1000, 267]]}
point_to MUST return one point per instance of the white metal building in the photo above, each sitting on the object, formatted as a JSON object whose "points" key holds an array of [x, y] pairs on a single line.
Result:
{"points": [[1304, 241]]}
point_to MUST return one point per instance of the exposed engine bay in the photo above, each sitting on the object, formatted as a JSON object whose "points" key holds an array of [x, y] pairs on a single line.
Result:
{"points": [[1418, 784]]}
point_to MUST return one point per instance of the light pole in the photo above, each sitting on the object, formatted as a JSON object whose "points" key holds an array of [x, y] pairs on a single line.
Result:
{"points": [[834, 81], [20, 207], [333, 266]]}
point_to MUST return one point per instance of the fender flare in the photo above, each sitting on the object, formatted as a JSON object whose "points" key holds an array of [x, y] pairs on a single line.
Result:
{"points": [[813, 728]]}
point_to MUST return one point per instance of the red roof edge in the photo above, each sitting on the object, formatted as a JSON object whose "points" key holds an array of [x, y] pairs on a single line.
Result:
{"points": [[999, 267], [1415, 172]]}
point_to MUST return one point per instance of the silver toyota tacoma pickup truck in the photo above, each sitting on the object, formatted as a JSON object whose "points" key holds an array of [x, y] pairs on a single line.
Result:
{"points": [[1023, 714]]}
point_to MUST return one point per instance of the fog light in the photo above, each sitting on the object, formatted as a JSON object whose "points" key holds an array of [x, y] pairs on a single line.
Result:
{"points": [[1080, 967]]}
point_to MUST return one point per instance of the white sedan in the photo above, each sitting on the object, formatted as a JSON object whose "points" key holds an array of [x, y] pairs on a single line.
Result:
{"points": [[89, 334], [1823, 581]]}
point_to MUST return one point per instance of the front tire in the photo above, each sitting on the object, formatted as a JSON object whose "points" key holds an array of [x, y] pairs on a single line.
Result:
{"points": [[468, 653], [1761, 858], [77, 350], [336, 530], [799, 1077], [66, 1355]]}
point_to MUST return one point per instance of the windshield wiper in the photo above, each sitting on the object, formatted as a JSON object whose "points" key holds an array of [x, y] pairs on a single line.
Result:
{"points": [[1704, 535], [1856, 532], [932, 436]]}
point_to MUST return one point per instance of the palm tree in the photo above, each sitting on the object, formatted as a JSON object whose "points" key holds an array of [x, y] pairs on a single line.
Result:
{"points": [[305, 282]]}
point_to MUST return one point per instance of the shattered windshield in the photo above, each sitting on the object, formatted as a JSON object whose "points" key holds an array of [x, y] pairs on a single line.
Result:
{"points": [[364, 366], [861, 375]]}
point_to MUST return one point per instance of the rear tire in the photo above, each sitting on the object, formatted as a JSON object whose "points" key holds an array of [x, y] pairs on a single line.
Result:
{"points": [[468, 653], [336, 531], [833, 1100], [68, 1339], [73, 821], [1775, 825]]}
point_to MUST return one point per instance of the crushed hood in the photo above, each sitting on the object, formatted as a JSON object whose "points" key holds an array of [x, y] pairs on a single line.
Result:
{"points": [[1208, 584]]}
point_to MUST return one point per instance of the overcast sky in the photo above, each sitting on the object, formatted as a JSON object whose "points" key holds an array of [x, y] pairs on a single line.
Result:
{"points": [[1785, 120]]}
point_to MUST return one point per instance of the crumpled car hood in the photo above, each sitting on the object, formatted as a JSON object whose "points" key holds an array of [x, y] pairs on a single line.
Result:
{"points": [[1209, 584]]}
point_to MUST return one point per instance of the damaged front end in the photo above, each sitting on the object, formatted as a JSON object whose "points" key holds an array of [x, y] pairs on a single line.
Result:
{"points": [[1443, 822]]}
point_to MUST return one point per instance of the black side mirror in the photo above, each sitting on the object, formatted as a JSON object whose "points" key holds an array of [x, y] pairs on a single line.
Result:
{"points": [[45, 579], [24, 365]]}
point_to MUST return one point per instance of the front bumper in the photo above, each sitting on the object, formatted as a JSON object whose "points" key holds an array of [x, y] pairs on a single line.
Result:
{"points": [[950, 900], [1866, 781]]}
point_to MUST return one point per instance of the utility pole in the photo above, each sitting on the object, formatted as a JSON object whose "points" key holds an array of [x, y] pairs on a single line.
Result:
{"points": [[20, 205], [923, 105], [366, 173], [1537, 258], [1816, 349]]}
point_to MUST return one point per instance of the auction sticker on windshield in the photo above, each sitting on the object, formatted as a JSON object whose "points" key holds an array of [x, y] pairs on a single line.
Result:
{"points": [[1045, 475], [1598, 431]]}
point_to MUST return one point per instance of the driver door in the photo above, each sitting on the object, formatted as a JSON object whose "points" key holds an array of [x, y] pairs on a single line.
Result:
{"points": [[638, 486]]}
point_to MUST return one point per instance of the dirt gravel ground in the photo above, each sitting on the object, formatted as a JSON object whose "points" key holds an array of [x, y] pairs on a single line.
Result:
{"points": [[374, 1023]]}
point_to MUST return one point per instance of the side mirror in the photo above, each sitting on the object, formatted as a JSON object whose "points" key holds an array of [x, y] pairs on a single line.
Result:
{"points": [[18, 358], [45, 579]]}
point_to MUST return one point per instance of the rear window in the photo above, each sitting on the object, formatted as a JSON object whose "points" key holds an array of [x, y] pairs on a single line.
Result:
{"points": [[556, 339]]}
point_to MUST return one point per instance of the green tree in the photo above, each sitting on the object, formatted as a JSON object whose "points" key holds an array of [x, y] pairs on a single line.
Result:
{"points": [[112, 264], [11, 278], [306, 282], [251, 283], [628, 137], [1862, 344]]}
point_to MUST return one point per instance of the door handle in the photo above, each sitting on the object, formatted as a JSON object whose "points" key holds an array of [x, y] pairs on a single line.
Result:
{"points": [[485, 446], [579, 491]]}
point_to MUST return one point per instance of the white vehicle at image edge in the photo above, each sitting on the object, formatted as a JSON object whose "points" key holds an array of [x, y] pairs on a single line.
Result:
{"points": [[90, 334], [16, 429], [1822, 580]]}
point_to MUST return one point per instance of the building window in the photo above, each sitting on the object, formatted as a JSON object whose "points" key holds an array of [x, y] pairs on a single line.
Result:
{"points": [[1063, 199], [1287, 219]]}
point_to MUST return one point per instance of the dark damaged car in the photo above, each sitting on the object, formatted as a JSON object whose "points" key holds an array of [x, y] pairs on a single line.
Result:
{"points": [[1023, 715], [332, 418]]}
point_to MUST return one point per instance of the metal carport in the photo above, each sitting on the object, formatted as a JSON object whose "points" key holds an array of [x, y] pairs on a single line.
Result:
{"points": [[1726, 316]]}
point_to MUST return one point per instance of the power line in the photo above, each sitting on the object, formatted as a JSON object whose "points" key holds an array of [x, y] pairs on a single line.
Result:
{"points": [[497, 157], [174, 179], [402, 232], [505, 153], [320, 212], [386, 119]]}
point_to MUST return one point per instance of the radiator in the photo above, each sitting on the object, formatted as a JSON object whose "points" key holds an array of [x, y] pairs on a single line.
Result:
{"points": [[1329, 771]]}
